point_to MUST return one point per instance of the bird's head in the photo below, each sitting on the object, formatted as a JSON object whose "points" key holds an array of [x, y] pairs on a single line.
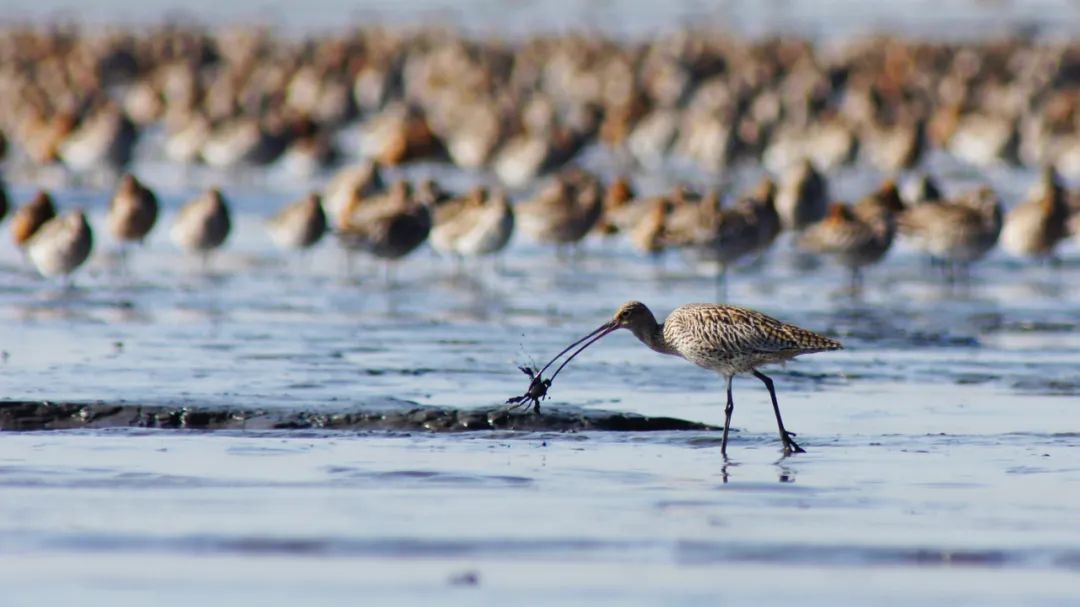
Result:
{"points": [[632, 315]]}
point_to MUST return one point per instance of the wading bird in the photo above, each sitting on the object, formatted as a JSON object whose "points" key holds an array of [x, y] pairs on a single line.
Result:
{"points": [[725, 339]]}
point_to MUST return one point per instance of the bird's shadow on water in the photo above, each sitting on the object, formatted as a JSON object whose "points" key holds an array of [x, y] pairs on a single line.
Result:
{"points": [[71, 302], [731, 464], [785, 473]]}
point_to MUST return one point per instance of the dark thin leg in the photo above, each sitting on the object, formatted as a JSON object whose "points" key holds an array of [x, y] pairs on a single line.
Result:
{"points": [[856, 281], [790, 446], [390, 273], [728, 410], [721, 283]]}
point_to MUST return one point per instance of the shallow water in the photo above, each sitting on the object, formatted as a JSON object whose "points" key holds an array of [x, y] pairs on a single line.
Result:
{"points": [[941, 442]]}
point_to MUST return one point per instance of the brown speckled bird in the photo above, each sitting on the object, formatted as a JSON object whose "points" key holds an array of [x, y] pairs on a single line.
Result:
{"points": [[955, 232], [564, 211], [389, 226], [857, 236], [725, 339]]}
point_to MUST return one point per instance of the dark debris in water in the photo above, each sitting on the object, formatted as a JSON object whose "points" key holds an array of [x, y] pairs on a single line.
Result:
{"points": [[36, 415]]}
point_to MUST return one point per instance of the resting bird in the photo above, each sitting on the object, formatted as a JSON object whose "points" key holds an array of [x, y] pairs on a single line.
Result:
{"points": [[389, 226], [1034, 227], [61, 245], [956, 232], [857, 236]]}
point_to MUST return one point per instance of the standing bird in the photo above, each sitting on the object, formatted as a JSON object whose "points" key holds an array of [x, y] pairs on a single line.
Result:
{"points": [[298, 225], [564, 211], [133, 211], [28, 218], [802, 197], [389, 225], [202, 224], [857, 236], [725, 339], [956, 232], [481, 225], [1034, 227], [61, 245]]}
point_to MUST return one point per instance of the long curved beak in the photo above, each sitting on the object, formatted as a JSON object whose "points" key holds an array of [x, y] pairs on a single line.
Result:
{"points": [[588, 340]]}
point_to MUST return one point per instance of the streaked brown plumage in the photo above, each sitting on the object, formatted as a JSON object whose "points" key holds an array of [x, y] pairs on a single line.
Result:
{"points": [[726, 234], [857, 236], [564, 211], [957, 232], [28, 218], [722, 234], [726, 339], [133, 210], [389, 226], [298, 225]]}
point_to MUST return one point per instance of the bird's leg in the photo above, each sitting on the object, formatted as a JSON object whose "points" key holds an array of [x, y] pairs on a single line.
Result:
{"points": [[721, 282], [577, 252], [122, 260], [790, 446], [347, 265], [390, 274], [728, 410]]}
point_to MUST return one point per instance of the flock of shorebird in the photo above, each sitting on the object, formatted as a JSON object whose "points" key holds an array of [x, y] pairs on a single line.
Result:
{"points": [[522, 111], [389, 221], [246, 97]]}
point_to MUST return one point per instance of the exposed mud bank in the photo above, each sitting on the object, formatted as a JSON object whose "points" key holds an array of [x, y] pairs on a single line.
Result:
{"points": [[31, 416]]}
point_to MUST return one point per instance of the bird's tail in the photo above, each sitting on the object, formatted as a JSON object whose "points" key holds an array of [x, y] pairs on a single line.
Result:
{"points": [[812, 342]]}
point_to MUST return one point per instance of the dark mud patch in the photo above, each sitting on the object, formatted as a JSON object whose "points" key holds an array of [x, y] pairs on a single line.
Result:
{"points": [[37, 415]]}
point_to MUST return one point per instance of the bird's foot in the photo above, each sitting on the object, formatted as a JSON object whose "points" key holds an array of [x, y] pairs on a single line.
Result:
{"points": [[790, 446]]}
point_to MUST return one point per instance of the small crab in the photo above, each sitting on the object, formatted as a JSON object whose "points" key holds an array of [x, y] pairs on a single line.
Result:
{"points": [[537, 391]]}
